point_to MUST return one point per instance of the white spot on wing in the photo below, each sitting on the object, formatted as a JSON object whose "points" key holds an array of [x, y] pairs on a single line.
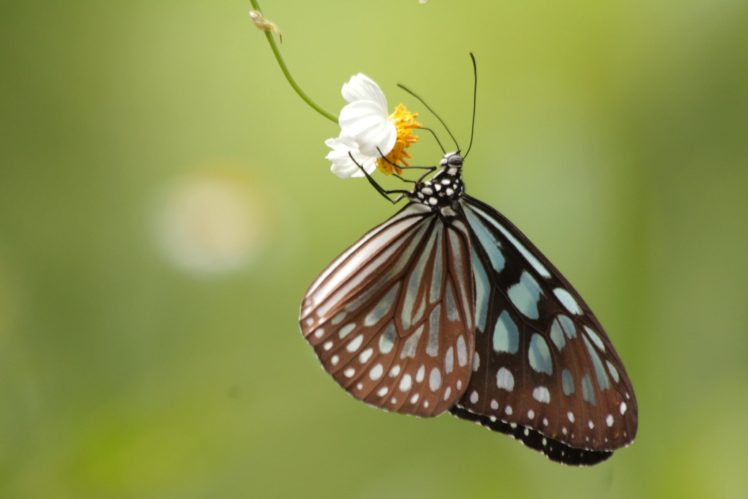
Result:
{"points": [[567, 382], [346, 330], [387, 339], [461, 351], [365, 355], [595, 338], [557, 335], [505, 334], [588, 393], [432, 345], [409, 348], [539, 355], [355, 343], [405, 383], [541, 394], [505, 379], [613, 371], [449, 360], [567, 301], [525, 295], [435, 379]]}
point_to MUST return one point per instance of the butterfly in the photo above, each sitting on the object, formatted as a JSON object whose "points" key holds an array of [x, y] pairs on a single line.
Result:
{"points": [[448, 307]]}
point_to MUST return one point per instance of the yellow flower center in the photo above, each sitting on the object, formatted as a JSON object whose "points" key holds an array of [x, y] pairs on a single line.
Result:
{"points": [[404, 122]]}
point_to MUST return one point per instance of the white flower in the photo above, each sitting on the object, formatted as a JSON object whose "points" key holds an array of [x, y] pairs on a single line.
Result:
{"points": [[365, 130], [365, 117], [342, 164]]}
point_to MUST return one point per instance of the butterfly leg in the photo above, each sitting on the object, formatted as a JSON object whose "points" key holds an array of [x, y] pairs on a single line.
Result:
{"points": [[407, 180], [386, 193], [429, 169]]}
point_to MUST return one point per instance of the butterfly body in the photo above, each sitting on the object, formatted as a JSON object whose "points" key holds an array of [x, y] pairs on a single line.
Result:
{"points": [[447, 306], [445, 189]]}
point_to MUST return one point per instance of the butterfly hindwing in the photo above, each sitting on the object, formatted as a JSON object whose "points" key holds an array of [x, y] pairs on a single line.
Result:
{"points": [[391, 319], [543, 369]]}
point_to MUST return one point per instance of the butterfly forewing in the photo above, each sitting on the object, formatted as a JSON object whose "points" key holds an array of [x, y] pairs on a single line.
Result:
{"points": [[543, 369], [391, 319]]}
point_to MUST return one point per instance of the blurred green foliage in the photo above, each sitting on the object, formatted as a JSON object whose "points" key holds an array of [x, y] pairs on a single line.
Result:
{"points": [[613, 133]]}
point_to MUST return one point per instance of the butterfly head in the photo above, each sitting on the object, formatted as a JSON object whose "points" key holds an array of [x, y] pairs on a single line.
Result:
{"points": [[452, 163]]}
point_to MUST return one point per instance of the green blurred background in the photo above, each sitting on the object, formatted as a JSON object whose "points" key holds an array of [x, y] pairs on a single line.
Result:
{"points": [[164, 203]]}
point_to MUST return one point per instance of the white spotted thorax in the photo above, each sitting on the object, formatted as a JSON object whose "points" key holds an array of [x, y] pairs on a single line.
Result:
{"points": [[443, 190]]}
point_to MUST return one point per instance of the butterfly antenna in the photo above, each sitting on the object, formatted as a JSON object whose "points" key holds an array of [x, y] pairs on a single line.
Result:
{"points": [[432, 112], [433, 134], [475, 98]]}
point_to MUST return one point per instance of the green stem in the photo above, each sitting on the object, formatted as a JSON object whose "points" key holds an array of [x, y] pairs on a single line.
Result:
{"points": [[287, 73]]}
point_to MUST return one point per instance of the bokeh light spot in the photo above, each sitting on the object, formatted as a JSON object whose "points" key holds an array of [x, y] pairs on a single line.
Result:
{"points": [[211, 223]]}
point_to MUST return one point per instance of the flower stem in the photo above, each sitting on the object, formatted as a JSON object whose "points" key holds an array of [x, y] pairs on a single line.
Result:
{"points": [[287, 73]]}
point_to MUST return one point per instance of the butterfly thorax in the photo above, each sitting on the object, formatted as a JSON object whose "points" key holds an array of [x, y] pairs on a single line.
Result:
{"points": [[445, 188]]}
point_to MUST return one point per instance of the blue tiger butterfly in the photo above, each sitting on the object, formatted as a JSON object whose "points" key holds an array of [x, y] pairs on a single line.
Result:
{"points": [[447, 306]]}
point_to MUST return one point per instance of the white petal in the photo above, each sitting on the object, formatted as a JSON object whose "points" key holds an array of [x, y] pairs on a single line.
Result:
{"points": [[359, 116], [361, 87], [372, 131], [340, 157], [385, 141]]}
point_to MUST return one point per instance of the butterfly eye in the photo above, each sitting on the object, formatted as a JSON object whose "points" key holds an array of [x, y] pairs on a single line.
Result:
{"points": [[454, 160]]}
